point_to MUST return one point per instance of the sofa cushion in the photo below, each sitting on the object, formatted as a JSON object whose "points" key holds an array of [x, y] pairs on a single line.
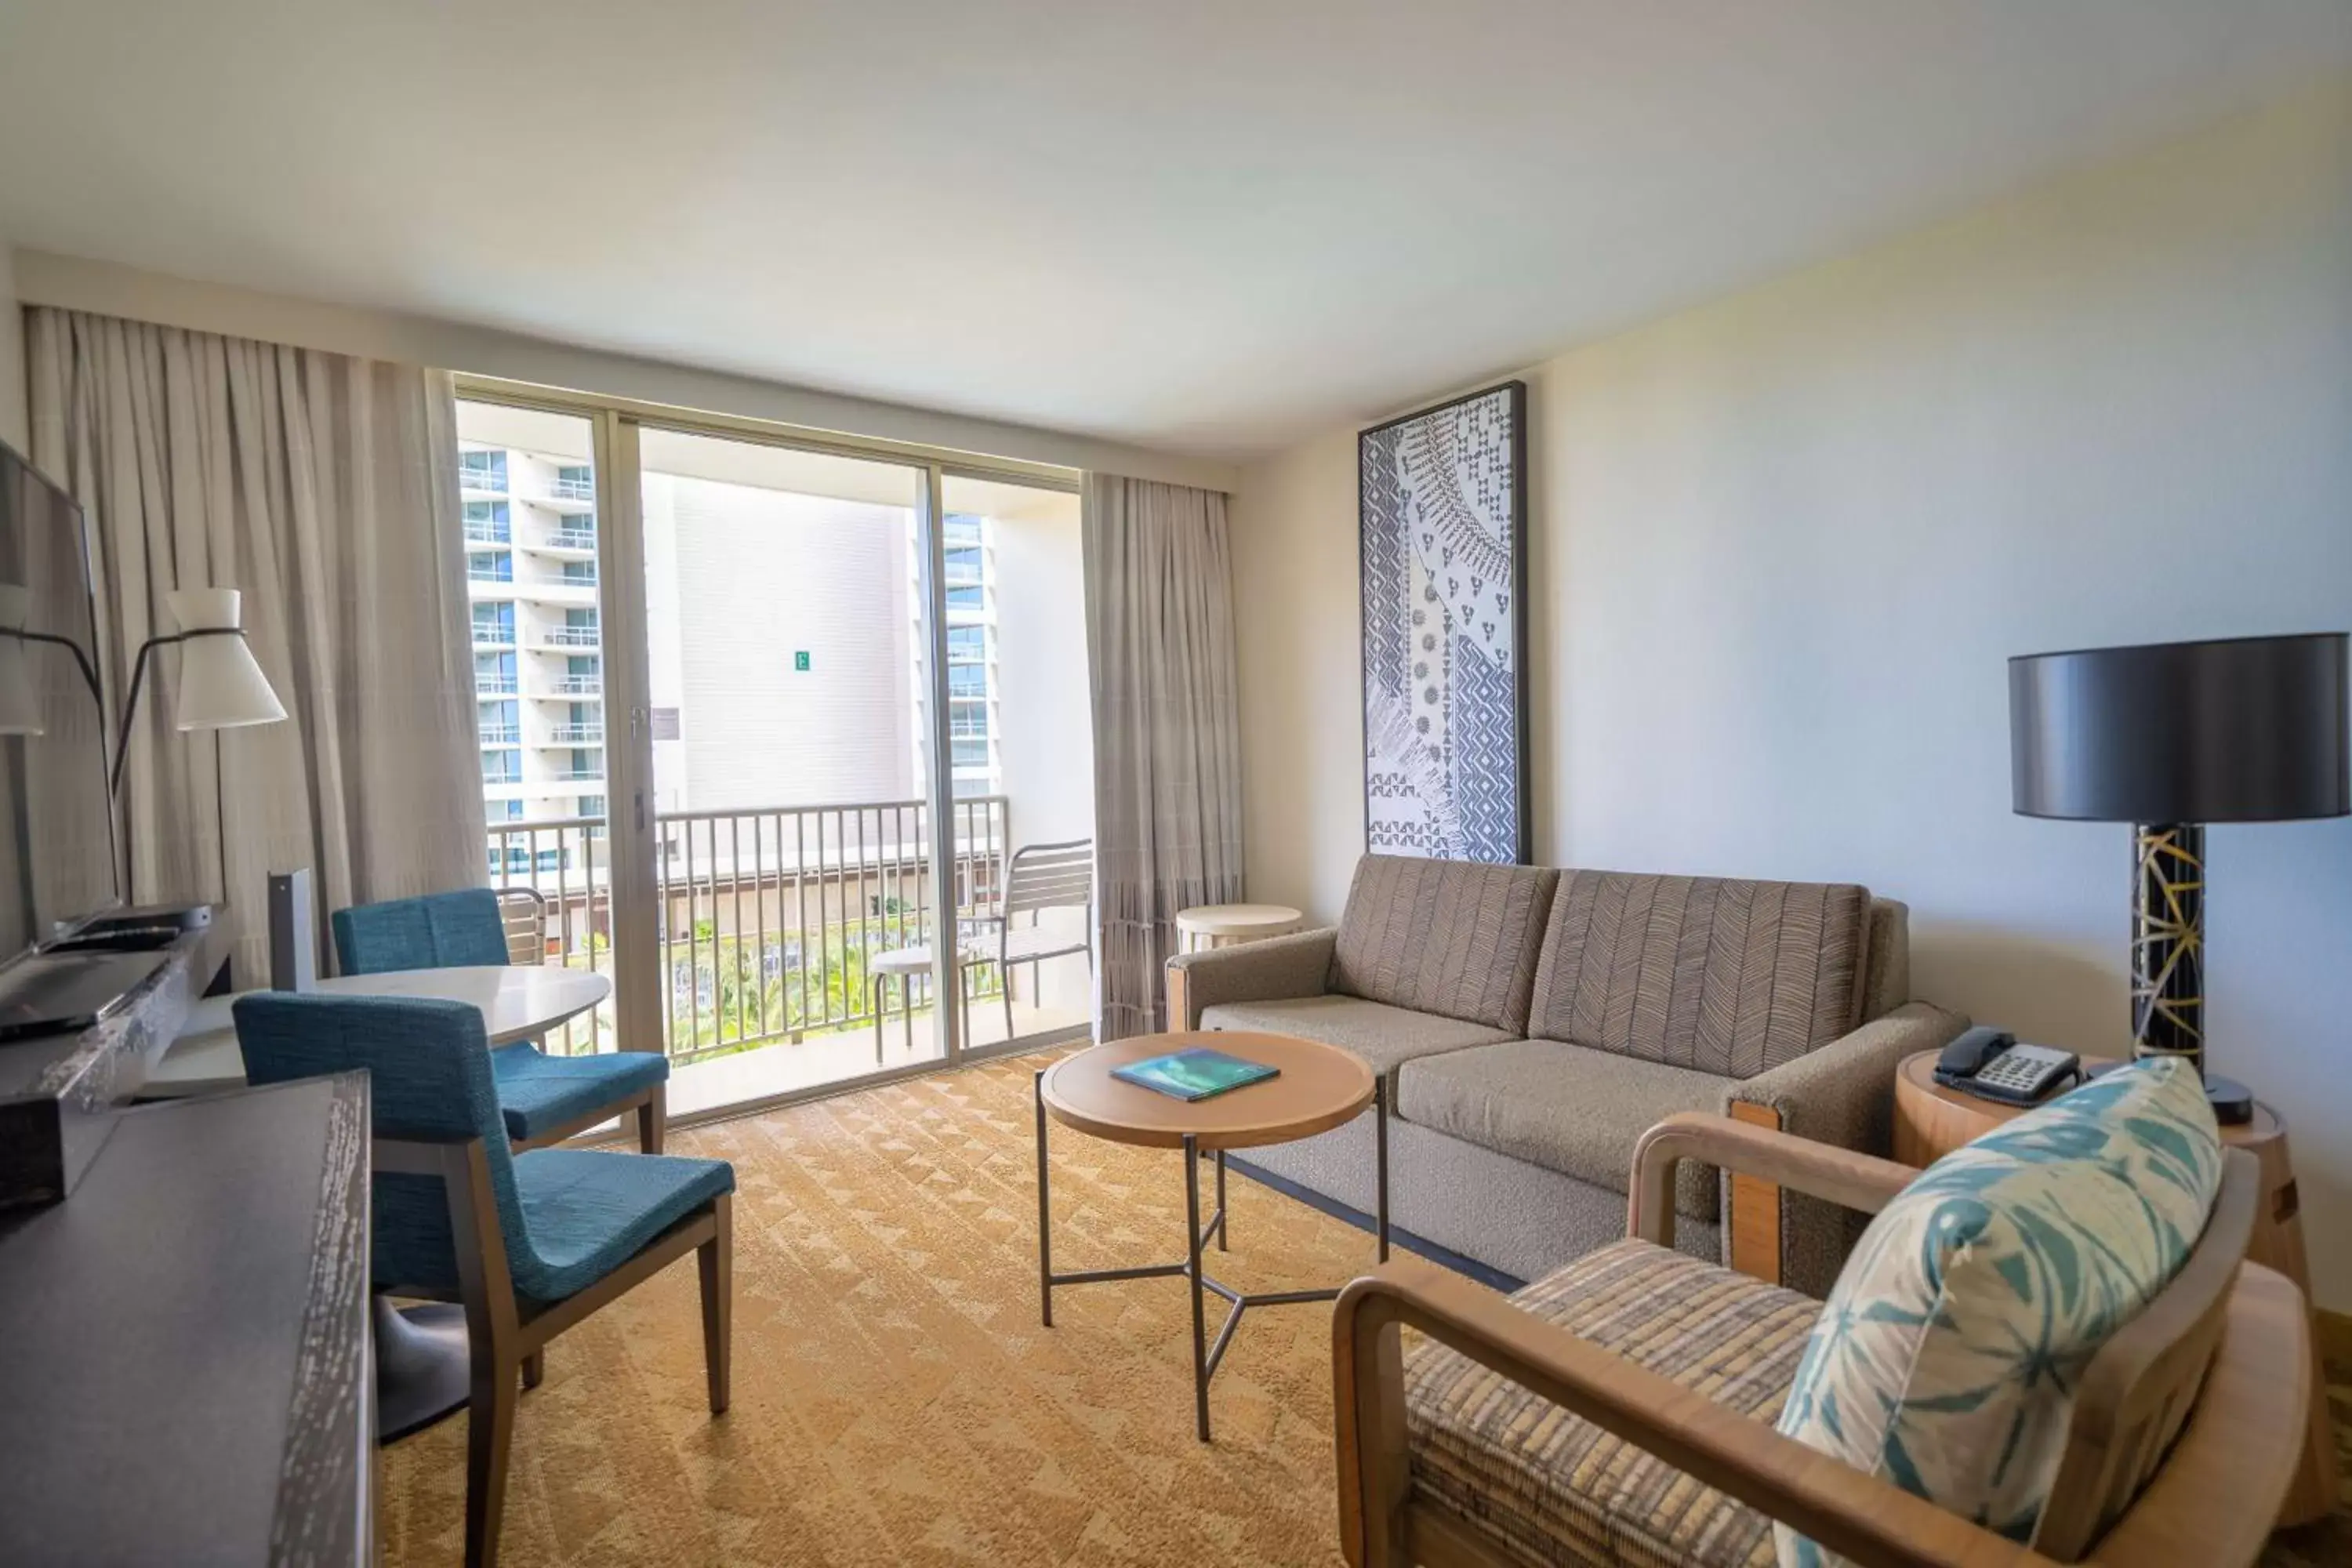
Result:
{"points": [[1723, 976], [1448, 937], [1385, 1037], [1565, 1108], [1947, 1356], [1540, 1486]]}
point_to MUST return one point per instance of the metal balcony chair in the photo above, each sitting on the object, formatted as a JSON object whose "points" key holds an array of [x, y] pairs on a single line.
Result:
{"points": [[544, 1099], [1040, 877], [528, 1244]]}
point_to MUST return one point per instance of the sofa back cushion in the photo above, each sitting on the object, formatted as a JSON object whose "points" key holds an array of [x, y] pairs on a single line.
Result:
{"points": [[1450, 937], [1949, 1354], [1705, 972]]}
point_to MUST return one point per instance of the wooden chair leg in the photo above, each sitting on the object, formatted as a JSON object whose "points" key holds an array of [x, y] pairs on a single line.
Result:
{"points": [[490, 1441], [534, 1368], [652, 1119], [716, 1259]]}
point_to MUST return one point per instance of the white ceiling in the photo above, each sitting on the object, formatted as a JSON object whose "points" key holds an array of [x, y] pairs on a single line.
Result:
{"points": [[1205, 225]]}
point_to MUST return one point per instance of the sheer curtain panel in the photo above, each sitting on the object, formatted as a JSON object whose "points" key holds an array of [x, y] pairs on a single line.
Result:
{"points": [[325, 489], [1168, 782]]}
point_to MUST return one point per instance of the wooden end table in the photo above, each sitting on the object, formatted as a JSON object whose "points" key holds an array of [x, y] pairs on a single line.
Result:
{"points": [[1228, 925], [1931, 1120], [1320, 1087]]}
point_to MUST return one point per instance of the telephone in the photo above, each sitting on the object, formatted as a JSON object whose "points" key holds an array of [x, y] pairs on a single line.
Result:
{"points": [[1991, 1065]]}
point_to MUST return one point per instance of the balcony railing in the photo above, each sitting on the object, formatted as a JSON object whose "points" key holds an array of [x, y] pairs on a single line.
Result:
{"points": [[578, 775], [482, 575], [493, 635], [579, 686], [573, 539], [489, 481], [765, 917], [489, 533], [562, 488], [573, 636], [577, 735], [493, 685], [501, 734]]}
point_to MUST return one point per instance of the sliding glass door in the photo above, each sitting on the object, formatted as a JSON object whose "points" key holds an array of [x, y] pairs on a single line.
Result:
{"points": [[790, 734]]}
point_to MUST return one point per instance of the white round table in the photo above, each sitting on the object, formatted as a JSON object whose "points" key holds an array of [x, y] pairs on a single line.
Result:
{"points": [[1225, 925], [519, 1002]]}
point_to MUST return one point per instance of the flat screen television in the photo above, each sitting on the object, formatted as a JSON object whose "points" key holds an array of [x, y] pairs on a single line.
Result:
{"points": [[57, 860]]}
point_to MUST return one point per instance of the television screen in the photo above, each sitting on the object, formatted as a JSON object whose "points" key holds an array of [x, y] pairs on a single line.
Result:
{"points": [[57, 822]]}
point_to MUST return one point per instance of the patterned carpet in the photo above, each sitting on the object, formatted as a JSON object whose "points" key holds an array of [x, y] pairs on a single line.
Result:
{"points": [[896, 1399]]}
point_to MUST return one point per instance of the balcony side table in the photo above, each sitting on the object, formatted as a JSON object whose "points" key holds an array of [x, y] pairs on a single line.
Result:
{"points": [[1931, 1120], [1320, 1087]]}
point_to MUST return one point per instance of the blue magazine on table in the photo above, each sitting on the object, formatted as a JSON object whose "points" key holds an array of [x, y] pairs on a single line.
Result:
{"points": [[1198, 1073]]}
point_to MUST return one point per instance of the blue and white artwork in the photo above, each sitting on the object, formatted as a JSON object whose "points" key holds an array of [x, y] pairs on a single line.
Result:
{"points": [[1444, 517]]}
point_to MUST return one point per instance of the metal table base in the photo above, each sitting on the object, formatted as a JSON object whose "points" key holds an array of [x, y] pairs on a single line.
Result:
{"points": [[1206, 1354]]}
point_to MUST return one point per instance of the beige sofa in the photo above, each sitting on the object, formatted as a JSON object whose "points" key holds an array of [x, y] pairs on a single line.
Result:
{"points": [[1531, 1024]]}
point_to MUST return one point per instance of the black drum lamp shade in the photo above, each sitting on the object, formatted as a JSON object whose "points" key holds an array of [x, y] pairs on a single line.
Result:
{"points": [[2171, 737], [2244, 729]]}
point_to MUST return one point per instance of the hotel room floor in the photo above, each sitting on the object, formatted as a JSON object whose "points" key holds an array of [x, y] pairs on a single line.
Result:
{"points": [[896, 1399]]}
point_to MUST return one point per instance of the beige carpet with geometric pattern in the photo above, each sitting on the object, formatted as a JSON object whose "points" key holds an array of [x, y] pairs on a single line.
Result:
{"points": [[896, 1399]]}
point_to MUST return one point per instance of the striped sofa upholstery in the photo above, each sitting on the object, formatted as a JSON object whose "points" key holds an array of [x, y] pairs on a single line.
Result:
{"points": [[1447, 937], [1539, 1486], [1708, 973]]}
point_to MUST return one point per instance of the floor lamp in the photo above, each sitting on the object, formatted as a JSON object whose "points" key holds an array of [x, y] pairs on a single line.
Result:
{"points": [[2169, 737]]}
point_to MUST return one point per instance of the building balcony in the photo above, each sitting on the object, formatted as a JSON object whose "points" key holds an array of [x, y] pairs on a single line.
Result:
{"points": [[568, 592], [493, 685], [489, 533], [501, 734], [482, 484], [574, 543], [506, 577], [578, 776], [564, 488], [575, 735], [569, 637], [494, 636], [576, 685]]}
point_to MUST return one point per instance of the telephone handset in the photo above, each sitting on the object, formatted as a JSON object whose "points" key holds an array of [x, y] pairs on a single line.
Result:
{"points": [[1990, 1064]]}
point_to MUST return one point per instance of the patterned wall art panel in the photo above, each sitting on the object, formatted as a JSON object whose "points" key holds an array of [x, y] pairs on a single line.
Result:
{"points": [[1444, 506]]}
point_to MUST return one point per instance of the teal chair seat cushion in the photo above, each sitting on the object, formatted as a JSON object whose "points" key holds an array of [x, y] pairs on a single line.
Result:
{"points": [[588, 1211], [538, 1092]]}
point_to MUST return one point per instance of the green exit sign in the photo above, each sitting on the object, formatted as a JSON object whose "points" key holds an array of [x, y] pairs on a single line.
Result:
{"points": [[800, 659]]}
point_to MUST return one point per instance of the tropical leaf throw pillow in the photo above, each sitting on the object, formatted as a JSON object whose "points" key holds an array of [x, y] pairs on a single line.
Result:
{"points": [[1947, 1357]]}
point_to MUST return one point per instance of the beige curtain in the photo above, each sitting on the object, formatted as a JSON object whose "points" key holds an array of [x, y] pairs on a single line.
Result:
{"points": [[1168, 778], [325, 489]]}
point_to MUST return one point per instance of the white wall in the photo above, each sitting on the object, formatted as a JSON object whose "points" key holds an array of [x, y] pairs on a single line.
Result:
{"points": [[1783, 545], [16, 427]]}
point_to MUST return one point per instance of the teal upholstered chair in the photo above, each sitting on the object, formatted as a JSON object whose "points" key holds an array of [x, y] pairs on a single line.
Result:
{"points": [[545, 1099], [529, 1244]]}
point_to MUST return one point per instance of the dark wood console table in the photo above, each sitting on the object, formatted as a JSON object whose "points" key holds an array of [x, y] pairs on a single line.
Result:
{"points": [[184, 1370]]}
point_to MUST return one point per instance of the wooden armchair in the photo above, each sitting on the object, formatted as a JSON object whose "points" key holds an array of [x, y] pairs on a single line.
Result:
{"points": [[2187, 1428]]}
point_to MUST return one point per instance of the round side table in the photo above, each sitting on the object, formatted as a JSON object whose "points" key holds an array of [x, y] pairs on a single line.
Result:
{"points": [[1320, 1087], [1931, 1120], [1225, 925]]}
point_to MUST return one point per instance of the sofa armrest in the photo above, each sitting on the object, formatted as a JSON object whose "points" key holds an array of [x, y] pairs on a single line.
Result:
{"points": [[1842, 1094], [1866, 1520], [1282, 966]]}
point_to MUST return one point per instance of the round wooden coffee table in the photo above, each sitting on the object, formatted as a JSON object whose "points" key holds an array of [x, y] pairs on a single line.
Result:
{"points": [[1320, 1087]]}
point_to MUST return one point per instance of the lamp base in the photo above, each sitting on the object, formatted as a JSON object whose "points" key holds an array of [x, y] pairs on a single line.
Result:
{"points": [[2232, 1102]]}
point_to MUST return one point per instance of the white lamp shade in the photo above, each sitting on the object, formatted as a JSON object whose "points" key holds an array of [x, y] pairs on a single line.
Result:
{"points": [[221, 685], [20, 702]]}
